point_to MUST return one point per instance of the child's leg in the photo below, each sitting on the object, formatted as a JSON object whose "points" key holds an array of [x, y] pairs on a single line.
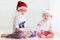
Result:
{"points": [[4, 35], [16, 35], [50, 35], [40, 35]]}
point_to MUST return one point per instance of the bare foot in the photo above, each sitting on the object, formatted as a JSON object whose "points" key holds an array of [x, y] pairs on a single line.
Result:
{"points": [[4, 35], [28, 34]]}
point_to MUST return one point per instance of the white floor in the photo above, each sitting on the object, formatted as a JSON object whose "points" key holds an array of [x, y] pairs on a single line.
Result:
{"points": [[57, 38]]}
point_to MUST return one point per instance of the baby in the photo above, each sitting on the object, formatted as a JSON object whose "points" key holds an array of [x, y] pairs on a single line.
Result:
{"points": [[45, 26]]}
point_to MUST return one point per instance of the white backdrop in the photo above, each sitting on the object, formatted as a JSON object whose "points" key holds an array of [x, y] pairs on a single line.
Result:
{"points": [[35, 7], [55, 9]]}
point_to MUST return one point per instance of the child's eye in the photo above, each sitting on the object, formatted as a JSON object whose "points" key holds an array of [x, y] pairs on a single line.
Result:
{"points": [[47, 16], [44, 15]]}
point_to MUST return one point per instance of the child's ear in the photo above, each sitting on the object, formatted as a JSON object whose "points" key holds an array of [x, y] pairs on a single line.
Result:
{"points": [[51, 16]]}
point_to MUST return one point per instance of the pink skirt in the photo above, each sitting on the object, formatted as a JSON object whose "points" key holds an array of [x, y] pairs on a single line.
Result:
{"points": [[45, 33]]}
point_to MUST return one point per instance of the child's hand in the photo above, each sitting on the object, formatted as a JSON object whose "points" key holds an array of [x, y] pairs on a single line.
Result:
{"points": [[49, 29], [38, 25], [28, 34], [19, 30]]}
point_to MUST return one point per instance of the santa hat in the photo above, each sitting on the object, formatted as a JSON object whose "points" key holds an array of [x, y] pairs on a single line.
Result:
{"points": [[21, 5], [47, 11]]}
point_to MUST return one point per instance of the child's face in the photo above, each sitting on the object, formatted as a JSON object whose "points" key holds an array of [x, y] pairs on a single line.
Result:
{"points": [[23, 10], [46, 16]]}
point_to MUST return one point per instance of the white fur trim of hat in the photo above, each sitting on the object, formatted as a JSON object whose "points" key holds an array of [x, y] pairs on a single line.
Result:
{"points": [[46, 11], [21, 8]]}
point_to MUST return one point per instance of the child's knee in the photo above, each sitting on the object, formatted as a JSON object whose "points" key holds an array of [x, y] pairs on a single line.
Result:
{"points": [[51, 35]]}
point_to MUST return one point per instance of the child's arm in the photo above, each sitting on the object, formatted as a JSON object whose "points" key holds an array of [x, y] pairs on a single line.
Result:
{"points": [[38, 24], [16, 25], [19, 30], [50, 28]]}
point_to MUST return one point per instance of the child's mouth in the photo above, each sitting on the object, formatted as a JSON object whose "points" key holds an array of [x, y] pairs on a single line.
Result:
{"points": [[46, 18]]}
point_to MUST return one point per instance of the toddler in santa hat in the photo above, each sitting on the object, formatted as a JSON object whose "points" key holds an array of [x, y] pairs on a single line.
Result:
{"points": [[19, 23], [45, 25]]}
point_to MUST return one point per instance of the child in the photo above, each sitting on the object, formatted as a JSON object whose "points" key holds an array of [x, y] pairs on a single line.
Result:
{"points": [[45, 26], [19, 23]]}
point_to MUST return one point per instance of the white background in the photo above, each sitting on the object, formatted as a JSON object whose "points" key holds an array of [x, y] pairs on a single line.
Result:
{"points": [[35, 8]]}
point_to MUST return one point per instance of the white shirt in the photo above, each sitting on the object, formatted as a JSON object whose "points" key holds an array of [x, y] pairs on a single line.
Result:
{"points": [[44, 25], [18, 19]]}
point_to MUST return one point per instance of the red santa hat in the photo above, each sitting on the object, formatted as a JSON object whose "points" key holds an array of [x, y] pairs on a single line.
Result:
{"points": [[21, 5]]}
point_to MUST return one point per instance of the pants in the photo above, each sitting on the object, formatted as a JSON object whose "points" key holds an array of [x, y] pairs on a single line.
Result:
{"points": [[16, 35]]}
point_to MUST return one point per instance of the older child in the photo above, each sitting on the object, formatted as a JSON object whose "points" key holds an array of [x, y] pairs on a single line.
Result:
{"points": [[19, 23], [45, 26]]}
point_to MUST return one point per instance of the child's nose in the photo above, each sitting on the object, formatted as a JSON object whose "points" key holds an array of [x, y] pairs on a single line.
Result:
{"points": [[45, 16]]}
